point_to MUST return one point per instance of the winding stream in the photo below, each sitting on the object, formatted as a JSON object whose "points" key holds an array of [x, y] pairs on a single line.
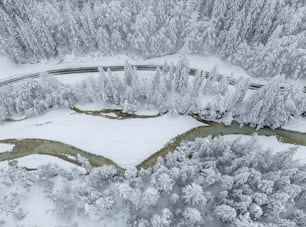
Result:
{"points": [[215, 129], [69, 153]]}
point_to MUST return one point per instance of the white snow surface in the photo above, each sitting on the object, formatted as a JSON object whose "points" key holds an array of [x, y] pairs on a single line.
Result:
{"points": [[33, 161], [298, 124], [6, 147], [271, 143], [126, 142]]}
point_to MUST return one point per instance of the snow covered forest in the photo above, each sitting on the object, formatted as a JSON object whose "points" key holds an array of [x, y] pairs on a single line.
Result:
{"points": [[169, 90], [207, 182], [266, 38], [198, 178]]}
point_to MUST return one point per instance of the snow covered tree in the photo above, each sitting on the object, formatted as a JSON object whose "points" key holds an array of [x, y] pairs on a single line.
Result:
{"points": [[156, 89], [234, 102], [181, 75], [192, 216], [193, 194], [272, 105], [163, 220], [150, 196], [103, 86]]}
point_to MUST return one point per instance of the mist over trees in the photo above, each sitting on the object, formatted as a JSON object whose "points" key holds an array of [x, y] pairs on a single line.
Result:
{"points": [[266, 38], [168, 90]]}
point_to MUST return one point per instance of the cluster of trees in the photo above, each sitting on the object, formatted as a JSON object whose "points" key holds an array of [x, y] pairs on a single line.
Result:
{"points": [[171, 89], [265, 37], [206, 182], [34, 97]]}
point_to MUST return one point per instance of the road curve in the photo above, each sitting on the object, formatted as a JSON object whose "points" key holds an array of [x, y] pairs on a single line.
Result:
{"points": [[94, 69]]}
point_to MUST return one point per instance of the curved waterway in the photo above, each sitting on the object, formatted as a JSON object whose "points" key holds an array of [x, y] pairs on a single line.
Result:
{"points": [[69, 153], [216, 129]]}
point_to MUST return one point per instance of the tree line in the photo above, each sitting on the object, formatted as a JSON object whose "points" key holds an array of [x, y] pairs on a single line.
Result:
{"points": [[266, 38], [170, 90]]}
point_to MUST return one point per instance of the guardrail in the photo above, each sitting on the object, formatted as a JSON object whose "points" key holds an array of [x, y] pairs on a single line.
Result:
{"points": [[192, 72]]}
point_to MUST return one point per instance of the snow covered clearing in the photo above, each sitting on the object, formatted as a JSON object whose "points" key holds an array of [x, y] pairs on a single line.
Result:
{"points": [[126, 142], [271, 143], [6, 147]]}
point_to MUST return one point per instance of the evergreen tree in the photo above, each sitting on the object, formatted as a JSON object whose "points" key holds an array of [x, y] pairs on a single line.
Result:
{"points": [[181, 75], [272, 105]]}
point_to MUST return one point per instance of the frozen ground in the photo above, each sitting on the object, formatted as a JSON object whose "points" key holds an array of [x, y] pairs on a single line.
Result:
{"points": [[126, 142], [271, 143]]}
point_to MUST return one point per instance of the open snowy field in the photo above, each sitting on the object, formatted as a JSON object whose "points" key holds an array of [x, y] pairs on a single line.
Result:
{"points": [[126, 142]]}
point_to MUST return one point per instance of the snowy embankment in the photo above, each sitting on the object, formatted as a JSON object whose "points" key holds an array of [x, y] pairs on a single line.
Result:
{"points": [[126, 142]]}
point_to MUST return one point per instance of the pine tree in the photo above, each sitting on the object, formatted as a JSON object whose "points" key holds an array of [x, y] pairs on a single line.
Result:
{"points": [[271, 105], [103, 87], [128, 74], [181, 75], [150, 196], [163, 220], [192, 216], [225, 213], [155, 89], [193, 195]]}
